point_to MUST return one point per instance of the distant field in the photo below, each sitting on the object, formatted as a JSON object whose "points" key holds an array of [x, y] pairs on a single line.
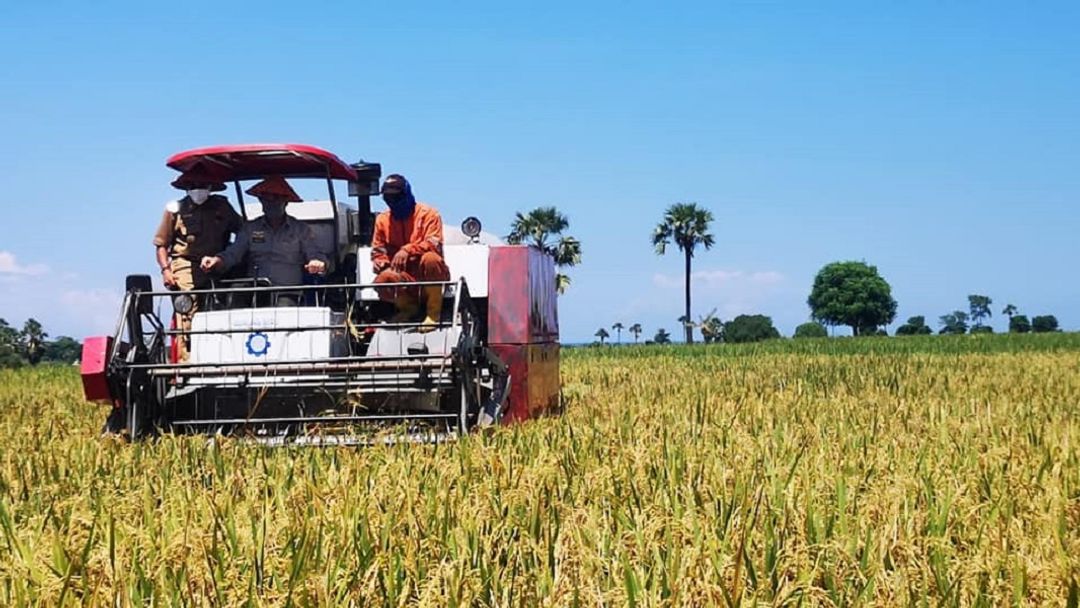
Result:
{"points": [[915, 471]]}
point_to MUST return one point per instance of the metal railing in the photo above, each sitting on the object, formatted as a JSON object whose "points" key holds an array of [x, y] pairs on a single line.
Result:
{"points": [[403, 373]]}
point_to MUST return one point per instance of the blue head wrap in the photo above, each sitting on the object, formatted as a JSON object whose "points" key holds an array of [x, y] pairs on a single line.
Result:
{"points": [[401, 205]]}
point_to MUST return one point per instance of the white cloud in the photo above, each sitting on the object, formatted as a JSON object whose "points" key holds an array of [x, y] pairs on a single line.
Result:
{"points": [[769, 277], [10, 266], [94, 309], [728, 292], [69, 310], [719, 278]]}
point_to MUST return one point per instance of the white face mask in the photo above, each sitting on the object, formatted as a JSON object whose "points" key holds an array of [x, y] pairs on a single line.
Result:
{"points": [[198, 196]]}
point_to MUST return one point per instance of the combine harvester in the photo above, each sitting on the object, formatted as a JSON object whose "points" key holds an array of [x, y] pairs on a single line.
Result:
{"points": [[332, 370]]}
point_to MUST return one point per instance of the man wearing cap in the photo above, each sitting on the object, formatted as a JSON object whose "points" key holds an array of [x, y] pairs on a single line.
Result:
{"points": [[279, 247], [407, 246], [198, 224]]}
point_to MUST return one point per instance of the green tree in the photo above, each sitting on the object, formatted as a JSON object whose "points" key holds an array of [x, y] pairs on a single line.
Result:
{"points": [[915, 326], [662, 336], [9, 336], [979, 306], [602, 334], [636, 330], [1044, 324], [618, 327], [9, 346], [1009, 310], [687, 225], [749, 328], [63, 350], [32, 337], [543, 228], [811, 329], [852, 294], [1019, 324], [955, 322]]}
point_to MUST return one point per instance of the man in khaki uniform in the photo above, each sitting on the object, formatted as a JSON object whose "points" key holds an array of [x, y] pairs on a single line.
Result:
{"points": [[197, 225]]}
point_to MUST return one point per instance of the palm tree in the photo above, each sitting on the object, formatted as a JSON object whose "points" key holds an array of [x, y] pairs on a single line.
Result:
{"points": [[602, 334], [1009, 311], [618, 327], [636, 330], [33, 338], [688, 326], [543, 228], [687, 225], [980, 308]]}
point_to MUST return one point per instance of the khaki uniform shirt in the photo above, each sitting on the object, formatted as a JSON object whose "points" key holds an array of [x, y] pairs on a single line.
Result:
{"points": [[276, 254], [192, 231]]}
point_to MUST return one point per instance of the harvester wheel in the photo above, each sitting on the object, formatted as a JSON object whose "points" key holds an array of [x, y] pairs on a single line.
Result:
{"points": [[116, 423], [138, 415]]}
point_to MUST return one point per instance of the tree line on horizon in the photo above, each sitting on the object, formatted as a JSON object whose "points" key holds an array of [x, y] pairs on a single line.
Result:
{"points": [[854, 294], [30, 346], [754, 328], [844, 293], [742, 328]]}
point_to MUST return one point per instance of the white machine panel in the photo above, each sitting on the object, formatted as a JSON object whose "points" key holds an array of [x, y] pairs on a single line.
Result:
{"points": [[395, 342], [258, 335], [469, 261]]}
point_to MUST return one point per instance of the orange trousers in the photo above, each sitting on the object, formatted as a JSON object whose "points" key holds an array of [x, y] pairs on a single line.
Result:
{"points": [[428, 267]]}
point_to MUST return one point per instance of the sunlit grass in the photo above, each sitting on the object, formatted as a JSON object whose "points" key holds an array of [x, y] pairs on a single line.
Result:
{"points": [[878, 472]]}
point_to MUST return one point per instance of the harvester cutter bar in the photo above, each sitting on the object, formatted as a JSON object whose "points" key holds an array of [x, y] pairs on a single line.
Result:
{"points": [[350, 385], [316, 419], [295, 369], [388, 361], [338, 326], [320, 440]]}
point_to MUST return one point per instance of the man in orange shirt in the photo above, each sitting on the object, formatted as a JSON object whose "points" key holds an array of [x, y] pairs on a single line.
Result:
{"points": [[408, 246]]}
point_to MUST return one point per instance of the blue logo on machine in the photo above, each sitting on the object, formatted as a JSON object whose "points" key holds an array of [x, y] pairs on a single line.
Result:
{"points": [[258, 343]]}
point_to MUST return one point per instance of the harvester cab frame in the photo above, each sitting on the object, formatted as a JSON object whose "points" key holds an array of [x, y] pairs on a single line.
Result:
{"points": [[332, 369]]}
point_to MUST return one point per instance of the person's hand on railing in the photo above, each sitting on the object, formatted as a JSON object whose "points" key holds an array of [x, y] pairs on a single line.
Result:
{"points": [[315, 267], [209, 263]]}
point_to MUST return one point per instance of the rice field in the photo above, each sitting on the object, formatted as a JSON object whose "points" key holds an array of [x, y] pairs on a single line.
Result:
{"points": [[881, 472]]}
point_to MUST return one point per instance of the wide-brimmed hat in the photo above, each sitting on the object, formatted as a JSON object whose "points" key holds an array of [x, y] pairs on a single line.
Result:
{"points": [[275, 186], [199, 175]]}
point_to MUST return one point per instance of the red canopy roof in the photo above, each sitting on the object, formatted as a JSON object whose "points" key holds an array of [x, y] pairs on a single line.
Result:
{"points": [[255, 161]]}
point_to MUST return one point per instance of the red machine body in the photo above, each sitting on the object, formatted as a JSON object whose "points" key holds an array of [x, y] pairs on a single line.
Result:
{"points": [[94, 368], [523, 327]]}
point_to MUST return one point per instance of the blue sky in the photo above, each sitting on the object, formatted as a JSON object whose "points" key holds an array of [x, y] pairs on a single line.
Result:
{"points": [[938, 141]]}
